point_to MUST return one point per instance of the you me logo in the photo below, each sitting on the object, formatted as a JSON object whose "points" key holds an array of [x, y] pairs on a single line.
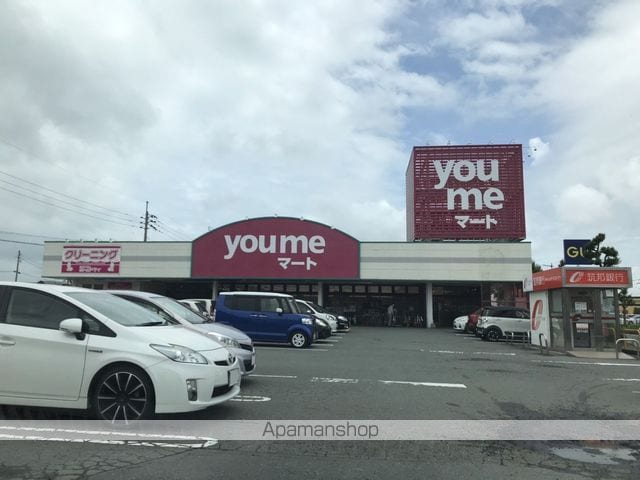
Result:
{"points": [[468, 171], [281, 244]]}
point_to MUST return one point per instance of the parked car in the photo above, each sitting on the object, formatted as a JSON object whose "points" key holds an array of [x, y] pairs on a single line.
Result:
{"points": [[460, 323], [323, 330], [633, 319], [343, 323], [208, 304], [76, 348], [495, 322], [197, 306], [232, 338], [265, 317], [311, 308]]}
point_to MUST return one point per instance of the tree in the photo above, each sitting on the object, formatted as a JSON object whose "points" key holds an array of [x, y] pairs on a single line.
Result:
{"points": [[625, 301], [599, 254], [535, 268]]}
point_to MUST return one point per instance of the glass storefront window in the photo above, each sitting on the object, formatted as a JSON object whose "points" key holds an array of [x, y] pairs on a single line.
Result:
{"points": [[556, 301]]}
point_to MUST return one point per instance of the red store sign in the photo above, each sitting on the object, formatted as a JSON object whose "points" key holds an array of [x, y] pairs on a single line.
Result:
{"points": [[466, 192], [103, 259], [277, 247]]}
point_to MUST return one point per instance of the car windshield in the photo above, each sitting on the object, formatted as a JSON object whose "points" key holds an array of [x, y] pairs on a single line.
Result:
{"points": [[179, 310], [119, 310]]}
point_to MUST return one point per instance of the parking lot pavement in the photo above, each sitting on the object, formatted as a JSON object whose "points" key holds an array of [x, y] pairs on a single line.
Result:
{"points": [[392, 374]]}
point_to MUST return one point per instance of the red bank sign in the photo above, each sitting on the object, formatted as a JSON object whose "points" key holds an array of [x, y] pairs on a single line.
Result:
{"points": [[276, 248], [466, 192], [614, 277]]}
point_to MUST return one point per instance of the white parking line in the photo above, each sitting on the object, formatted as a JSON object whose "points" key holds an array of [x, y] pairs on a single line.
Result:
{"points": [[445, 351], [49, 434], [273, 376], [334, 380], [333, 340], [250, 398], [495, 353], [623, 379], [600, 364], [425, 384]]}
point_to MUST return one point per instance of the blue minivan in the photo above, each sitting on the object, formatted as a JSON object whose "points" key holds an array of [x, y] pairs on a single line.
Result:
{"points": [[265, 317]]}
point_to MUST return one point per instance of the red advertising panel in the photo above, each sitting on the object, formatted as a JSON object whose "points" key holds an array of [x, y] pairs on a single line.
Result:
{"points": [[276, 247], [472, 192], [547, 279], [598, 277], [90, 259]]}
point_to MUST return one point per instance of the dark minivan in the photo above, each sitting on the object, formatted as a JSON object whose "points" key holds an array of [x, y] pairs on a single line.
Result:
{"points": [[265, 317]]}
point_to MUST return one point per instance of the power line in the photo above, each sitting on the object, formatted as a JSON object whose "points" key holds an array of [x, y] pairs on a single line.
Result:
{"points": [[76, 174], [60, 200], [17, 241], [67, 209], [65, 195], [31, 235]]}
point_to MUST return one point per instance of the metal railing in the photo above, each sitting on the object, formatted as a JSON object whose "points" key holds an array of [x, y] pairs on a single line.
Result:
{"points": [[524, 337], [632, 340]]}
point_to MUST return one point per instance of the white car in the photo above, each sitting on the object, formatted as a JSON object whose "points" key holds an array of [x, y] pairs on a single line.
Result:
{"points": [[235, 340], [70, 347], [311, 308], [197, 306], [460, 323]]}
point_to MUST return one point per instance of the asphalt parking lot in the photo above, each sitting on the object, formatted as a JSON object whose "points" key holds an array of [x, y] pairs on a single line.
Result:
{"points": [[381, 374]]}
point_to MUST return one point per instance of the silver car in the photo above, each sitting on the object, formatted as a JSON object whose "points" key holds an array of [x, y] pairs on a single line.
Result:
{"points": [[232, 338]]}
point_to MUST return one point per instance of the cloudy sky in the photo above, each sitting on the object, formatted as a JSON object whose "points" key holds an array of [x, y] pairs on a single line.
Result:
{"points": [[214, 111]]}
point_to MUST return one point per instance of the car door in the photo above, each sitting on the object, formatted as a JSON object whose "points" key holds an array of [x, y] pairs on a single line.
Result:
{"points": [[277, 317], [243, 313], [38, 359]]}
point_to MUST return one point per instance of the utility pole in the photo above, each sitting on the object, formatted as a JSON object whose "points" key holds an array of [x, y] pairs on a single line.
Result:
{"points": [[17, 270], [148, 221]]}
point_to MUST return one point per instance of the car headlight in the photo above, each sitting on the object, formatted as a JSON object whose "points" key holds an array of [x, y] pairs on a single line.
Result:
{"points": [[332, 318], [226, 341], [344, 319], [307, 321], [180, 354]]}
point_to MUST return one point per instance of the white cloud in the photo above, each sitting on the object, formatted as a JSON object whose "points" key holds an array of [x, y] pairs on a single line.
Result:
{"points": [[580, 205], [538, 151]]}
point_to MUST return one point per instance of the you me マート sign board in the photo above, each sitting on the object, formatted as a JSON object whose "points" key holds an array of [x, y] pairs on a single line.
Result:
{"points": [[277, 247], [465, 192]]}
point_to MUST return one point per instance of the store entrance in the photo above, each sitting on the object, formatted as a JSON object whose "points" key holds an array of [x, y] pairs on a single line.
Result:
{"points": [[378, 305], [451, 301]]}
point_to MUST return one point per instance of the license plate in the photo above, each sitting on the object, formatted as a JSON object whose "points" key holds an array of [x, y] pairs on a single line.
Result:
{"points": [[233, 376]]}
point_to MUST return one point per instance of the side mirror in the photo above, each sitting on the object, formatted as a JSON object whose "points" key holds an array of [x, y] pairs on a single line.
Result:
{"points": [[72, 326], [279, 311]]}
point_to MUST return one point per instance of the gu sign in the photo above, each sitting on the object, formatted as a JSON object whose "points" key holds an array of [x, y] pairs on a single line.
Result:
{"points": [[276, 248], [471, 192]]}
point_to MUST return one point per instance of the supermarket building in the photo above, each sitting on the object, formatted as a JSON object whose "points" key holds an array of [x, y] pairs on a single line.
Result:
{"points": [[464, 248]]}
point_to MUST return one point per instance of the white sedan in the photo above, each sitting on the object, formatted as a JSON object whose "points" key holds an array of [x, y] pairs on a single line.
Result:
{"points": [[75, 348], [460, 323]]}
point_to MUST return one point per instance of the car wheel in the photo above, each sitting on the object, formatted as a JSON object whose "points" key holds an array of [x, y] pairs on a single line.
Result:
{"points": [[493, 334], [122, 394], [298, 340]]}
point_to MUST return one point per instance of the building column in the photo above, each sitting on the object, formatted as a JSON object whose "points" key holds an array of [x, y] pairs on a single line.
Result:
{"points": [[214, 290], [320, 299], [429, 309]]}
